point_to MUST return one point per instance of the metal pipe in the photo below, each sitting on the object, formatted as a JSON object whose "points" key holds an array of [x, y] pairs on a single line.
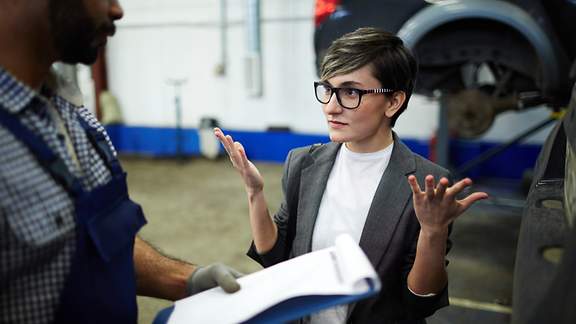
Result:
{"points": [[221, 69], [254, 54], [487, 155], [443, 134]]}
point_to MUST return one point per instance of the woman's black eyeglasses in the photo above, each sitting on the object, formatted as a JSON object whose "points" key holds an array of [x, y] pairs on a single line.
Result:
{"points": [[348, 98]]}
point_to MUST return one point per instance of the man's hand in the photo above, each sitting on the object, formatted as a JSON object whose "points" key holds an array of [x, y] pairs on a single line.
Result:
{"points": [[217, 274], [436, 206]]}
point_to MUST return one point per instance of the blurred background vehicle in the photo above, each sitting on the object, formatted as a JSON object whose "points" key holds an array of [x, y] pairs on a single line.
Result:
{"points": [[544, 282]]}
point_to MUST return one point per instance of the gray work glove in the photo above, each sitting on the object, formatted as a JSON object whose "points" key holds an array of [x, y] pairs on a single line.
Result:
{"points": [[213, 275]]}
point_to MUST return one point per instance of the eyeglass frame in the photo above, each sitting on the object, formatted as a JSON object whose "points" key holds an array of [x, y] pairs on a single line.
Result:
{"points": [[336, 90]]}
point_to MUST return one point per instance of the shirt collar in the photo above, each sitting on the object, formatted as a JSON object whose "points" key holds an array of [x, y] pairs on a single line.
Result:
{"points": [[14, 95]]}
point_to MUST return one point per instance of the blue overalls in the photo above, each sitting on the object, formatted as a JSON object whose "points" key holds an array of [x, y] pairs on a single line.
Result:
{"points": [[101, 287]]}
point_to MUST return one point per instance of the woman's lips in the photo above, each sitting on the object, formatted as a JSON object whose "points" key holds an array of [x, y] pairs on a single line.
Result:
{"points": [[336, 124]]}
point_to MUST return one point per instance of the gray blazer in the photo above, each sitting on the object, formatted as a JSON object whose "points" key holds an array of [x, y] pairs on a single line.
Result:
{"points": [[389, 237]]}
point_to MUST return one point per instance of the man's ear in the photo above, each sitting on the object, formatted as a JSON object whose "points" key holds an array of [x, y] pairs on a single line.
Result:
{"points": [[396, 101]]}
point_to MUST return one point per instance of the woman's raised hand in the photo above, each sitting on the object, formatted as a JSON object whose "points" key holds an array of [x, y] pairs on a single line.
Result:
{"points": [[437, 206], [250, 174]]}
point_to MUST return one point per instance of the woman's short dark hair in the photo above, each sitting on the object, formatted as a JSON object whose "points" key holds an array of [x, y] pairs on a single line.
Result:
{"points": [[392, 63]]}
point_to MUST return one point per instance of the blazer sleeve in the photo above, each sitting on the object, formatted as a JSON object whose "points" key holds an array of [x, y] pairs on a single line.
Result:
{"points": [[281, 249], [417, 306], [421, 307]]}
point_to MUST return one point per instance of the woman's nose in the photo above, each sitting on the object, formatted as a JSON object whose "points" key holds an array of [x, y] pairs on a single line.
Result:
{"points": [[333, 106]]}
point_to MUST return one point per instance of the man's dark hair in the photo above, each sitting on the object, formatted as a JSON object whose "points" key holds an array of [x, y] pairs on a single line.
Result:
{"points": [[392, 64]]}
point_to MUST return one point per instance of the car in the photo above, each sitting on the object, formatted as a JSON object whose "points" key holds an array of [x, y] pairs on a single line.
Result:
{"points": [[544, 281], [484, 56]]}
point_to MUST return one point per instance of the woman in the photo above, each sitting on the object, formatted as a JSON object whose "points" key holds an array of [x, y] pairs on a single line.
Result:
{"points": [[357, 185]]}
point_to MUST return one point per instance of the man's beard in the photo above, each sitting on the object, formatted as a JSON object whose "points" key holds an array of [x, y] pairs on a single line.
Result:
{"points": [[74, 32]]}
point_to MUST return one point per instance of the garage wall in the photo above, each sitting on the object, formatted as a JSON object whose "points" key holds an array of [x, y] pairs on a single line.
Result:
{"points": [[160, 41]]}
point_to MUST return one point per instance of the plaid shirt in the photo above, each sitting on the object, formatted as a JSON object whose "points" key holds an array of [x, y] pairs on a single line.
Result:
{"points": [[37, 222]]}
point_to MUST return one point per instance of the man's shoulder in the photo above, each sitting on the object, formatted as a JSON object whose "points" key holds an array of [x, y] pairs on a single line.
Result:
{"points": [[93, 122], [88, 117]]}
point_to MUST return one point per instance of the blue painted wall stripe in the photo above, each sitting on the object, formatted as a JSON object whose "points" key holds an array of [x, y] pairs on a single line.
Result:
{"points": [[273, 146], [153, 141]]}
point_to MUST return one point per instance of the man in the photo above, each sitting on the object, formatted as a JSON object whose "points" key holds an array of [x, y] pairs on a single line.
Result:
{"points": [[68, 246]]}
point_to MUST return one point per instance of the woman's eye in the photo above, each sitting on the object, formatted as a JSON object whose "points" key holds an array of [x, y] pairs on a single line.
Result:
{"points": [[351, 92]]}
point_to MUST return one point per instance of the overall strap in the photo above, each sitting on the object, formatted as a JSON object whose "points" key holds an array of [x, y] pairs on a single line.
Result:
{"points": [[44, 155], [100, 143]]}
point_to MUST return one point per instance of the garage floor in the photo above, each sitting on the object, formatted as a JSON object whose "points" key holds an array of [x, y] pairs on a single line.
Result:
{"points": [[197, 211]]}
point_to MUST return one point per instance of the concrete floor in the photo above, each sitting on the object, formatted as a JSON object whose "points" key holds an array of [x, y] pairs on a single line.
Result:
{"points": [[197, 211]]}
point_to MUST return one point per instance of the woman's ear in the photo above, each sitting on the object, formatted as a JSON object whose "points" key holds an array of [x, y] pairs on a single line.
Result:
{"points": [[396, 101]]}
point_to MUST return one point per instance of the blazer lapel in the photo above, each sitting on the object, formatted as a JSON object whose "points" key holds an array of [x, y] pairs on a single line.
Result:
{"points": [[312, 184], [388, 204]]}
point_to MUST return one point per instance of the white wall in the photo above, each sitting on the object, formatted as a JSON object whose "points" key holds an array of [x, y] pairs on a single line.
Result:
{"points": [[160, 40]]}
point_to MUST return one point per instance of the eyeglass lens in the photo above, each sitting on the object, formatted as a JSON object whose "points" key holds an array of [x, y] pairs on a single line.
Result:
{"points": [[347, 97]]}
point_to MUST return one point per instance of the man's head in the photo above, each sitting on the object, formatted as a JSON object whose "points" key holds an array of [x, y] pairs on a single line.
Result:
{"points": [[79, 28], [391, 63]]}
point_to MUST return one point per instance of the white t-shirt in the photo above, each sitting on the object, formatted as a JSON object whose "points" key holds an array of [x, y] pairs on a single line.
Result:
{"points": [[344, 207]]}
